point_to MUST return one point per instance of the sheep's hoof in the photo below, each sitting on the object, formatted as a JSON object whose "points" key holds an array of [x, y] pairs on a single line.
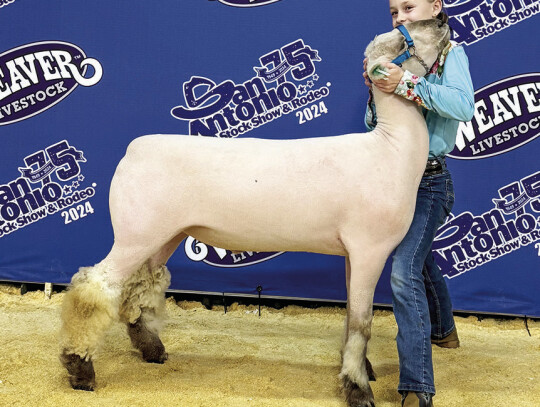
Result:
{"points": [[155, 356], [81, 372], [159, 360], [147, 342], [80, 386], [357, 396]]}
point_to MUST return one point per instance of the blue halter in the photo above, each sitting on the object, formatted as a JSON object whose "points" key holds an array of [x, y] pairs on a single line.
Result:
{"points": [[407, 53], [410, 45], [410, 51]]}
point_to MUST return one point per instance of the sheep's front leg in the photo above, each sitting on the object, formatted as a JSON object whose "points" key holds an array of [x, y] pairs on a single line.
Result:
{"points": [[143, 310], [362, 276], [354, 374], [369, 367], [88, 309]]}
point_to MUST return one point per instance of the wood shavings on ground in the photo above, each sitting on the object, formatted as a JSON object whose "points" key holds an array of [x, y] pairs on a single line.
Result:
{"points": [[286, 358]]}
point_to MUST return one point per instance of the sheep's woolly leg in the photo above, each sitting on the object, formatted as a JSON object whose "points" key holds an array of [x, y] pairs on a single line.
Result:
{"points": [[147, 341], [143, 309], [354, 374], [88, 309], [363, 271], [81, 371], [369, 368]]}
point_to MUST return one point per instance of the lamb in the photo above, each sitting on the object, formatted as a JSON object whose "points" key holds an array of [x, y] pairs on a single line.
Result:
{"points": [[351, 195]]}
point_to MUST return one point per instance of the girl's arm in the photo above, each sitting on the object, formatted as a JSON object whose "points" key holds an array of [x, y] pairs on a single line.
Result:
{"points": [[453, 98]]}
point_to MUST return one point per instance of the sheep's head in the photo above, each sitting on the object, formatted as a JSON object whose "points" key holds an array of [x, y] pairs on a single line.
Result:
{"points": [[429, 36]]}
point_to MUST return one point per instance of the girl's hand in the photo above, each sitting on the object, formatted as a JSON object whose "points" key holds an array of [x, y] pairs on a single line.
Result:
{"points": [[389, 83], [365, 75]]}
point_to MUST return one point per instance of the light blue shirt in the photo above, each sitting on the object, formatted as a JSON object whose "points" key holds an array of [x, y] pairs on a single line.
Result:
{"points": [[449, 99]]}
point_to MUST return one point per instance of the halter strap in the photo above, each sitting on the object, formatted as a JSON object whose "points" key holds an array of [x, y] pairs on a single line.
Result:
{"points": [[410, 44], [410, 47], [402, 58], [405, 33]]}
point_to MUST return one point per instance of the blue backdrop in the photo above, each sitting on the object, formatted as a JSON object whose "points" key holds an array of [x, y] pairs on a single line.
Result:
{"points": [[80, 80]]}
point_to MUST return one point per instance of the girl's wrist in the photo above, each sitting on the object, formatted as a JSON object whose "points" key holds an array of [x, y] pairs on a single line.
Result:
{"points": [[406, 87]]}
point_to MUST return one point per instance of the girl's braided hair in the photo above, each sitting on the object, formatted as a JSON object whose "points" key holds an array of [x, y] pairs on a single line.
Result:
{"points": [[442, 16]]}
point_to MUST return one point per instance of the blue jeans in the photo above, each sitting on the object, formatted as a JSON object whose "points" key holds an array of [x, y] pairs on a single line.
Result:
{"points": [[422, 305]]}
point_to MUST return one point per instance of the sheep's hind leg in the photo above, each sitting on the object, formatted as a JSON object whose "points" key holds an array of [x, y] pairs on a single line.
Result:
{"points": [[142, 309], [81, 371], [88, 309], [90, 306], [143, 304]]}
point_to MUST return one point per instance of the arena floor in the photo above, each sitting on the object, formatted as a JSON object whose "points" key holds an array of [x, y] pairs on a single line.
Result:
{"points": [[288, 357]]}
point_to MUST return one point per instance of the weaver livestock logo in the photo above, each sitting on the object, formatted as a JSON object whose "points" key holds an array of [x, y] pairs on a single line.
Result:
{"points": [[51, 182], [5, 3], [230, 109], [198, 251], [466, 241], [35, 77], [507, 116], [247, 3], [473, 20]]}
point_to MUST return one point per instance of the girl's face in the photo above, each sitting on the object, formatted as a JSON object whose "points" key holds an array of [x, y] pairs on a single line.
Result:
{"points": [[407, 11]]}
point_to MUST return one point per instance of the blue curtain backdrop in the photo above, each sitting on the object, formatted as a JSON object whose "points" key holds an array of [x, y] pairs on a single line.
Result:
{"points": [[80, 80]]}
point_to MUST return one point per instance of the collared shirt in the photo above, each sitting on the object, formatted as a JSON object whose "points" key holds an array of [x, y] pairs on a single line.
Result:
{"points": [[446, 95]]}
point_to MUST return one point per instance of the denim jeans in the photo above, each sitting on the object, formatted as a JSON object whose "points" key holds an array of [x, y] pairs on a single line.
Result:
{"points": [[422, 305]]}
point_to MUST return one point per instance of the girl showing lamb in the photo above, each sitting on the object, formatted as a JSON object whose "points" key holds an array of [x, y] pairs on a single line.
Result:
{"points": [[327, 195], [422, 304]]}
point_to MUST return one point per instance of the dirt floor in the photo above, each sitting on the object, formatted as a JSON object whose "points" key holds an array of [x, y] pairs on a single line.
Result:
{"points": [[288, 357]]}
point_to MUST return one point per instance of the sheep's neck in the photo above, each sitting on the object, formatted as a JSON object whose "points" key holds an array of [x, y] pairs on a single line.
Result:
{"points": [[397, 116]]}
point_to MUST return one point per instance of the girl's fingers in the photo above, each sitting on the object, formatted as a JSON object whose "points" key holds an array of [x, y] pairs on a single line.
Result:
{"points": [[366, 80], [391, 66], [384, 87], [365, 75]]}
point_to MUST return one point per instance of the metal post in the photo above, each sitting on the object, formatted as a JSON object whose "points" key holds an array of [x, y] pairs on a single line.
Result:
{"points": [[48, 290], [259, 289]]}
